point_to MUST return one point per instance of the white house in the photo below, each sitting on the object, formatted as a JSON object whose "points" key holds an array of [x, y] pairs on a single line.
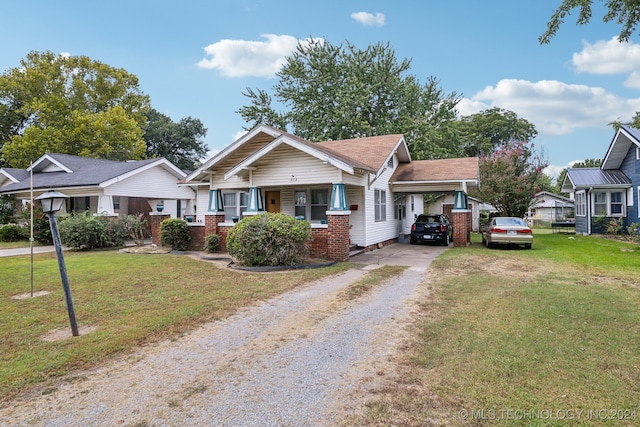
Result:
{"points": [[103, 187], [371, 186]]}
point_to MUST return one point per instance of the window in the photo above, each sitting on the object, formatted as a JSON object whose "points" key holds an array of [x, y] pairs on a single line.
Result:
{"points": [[230, 208], [380, 204], [581, 206], [608, 203], [319, 204], [244, 202], [116, 203], [301, 204]]}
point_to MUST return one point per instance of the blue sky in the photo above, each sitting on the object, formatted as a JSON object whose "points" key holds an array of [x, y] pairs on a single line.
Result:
{"points": [[196, 57]]}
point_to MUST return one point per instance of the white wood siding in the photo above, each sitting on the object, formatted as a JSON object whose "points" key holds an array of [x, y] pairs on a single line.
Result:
{"points": [[287, 166], [355, 196], [233, 183], [384, 230], [154, 183]]}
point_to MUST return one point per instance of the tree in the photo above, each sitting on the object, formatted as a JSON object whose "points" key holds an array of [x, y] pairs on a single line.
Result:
{"points": [[624, 12], [71, 105], [180, 143], [522, 166], [484, 132], [340, 92]]}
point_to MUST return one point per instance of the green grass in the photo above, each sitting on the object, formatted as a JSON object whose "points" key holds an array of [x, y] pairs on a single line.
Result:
{"points": [[18, 244], [130, 299], [553, 328]]}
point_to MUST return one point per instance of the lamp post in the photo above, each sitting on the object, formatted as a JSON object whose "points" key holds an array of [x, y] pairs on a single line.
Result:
{"points": [[52, 202]]}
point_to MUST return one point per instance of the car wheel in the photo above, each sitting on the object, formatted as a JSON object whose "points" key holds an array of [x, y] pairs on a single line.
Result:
{"points": [[527, 245], [412, 241], [445, 241]]}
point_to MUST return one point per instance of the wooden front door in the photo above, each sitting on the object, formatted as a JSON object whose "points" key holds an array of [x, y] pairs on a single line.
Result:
{"points": [[272, 201]]}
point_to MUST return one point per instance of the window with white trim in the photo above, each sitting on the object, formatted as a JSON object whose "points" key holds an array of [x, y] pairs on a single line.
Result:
{"points": [[230, 208], [300, 204], [608, 203], [319, 204], [380, 204], [581, 205]]}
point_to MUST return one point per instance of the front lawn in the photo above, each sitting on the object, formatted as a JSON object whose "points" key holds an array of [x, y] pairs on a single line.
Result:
{"points": [[547, 336], [130, 299]]}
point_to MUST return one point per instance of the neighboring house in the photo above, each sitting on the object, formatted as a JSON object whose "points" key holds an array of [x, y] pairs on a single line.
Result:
{"points": [[103, 187], [369, 185], [548, 207], [444, 205], [611, 191]]}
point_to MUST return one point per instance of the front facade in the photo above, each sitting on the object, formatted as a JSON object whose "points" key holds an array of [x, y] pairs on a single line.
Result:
{"points": [[103, 187], [611, 191], [359, 183]]}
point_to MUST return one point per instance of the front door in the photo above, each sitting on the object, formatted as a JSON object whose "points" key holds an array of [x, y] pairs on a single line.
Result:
{"points": [[272, 199]]}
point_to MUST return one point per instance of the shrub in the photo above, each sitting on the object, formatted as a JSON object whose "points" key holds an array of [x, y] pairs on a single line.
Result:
{"points": [[174, 232], [634, 229], [13, 233], [82, 231], [41, 227], [269, 239], [212, 243]]}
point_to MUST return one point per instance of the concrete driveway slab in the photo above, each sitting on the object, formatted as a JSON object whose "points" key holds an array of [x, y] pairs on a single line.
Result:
{"points": [[417, 257]]}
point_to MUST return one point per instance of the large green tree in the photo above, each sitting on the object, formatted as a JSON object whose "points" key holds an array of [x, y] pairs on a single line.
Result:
{"points": [[624, 12], [181, 143], [484, 132], [510, 177], [330, 92], [71, 105]]}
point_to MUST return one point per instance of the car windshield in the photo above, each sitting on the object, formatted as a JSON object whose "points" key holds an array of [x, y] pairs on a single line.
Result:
{"points": [[428, 218], [509, 221]]}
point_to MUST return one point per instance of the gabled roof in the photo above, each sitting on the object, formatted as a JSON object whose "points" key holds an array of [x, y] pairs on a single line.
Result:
{"points": [[368, 154], [546, 199], [63, 170], [583, 178], [461, 169], [619, 147]]}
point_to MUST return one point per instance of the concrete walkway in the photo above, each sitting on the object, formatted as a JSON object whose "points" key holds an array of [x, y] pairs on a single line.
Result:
{"points": [[26, 251]]}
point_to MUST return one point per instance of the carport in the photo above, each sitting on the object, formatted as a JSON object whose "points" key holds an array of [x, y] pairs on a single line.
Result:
{"points": [[453, 176]]}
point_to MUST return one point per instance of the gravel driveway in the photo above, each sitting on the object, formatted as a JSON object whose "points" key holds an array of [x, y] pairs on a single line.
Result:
{"points": [[305, 358]]}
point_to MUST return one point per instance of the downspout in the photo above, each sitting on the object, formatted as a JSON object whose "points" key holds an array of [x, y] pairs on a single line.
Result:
{"points": [[588, 202]]}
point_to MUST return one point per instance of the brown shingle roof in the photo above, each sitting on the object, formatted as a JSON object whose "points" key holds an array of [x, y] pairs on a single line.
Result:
{"points": [[438, 170], [371, 151]]}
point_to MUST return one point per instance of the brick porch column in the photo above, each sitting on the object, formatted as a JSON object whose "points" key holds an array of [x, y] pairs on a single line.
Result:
{"points": [[155, 218], [211, 221], [461, 227], [338, 235]]}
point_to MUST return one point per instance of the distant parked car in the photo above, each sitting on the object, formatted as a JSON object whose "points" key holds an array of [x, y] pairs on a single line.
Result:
{"points": [[432, 228], [507, 230]]}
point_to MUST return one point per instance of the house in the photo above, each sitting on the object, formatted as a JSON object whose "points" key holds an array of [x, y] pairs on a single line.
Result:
{"points": [[548, 207], [360, 192], [103, 187], [610, 191]]}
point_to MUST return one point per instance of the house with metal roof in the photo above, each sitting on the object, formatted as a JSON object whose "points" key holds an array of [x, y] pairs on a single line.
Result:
{"points": [[611, 191], [103, 187], [361, 192]]}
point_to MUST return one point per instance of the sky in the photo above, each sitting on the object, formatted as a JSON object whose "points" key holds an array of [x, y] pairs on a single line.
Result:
{"points": [[195, 58]]}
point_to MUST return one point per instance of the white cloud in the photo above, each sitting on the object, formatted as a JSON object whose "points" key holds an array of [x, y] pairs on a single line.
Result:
{"points": [[553, 171], [369, 19], [610, 57], [554, 107], [243, 58]]}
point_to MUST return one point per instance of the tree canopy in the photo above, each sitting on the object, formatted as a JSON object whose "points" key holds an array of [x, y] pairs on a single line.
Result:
{"points": [[70, 105], [510, 177], [624, 12], [181, 143], [484, 132], [331, 92]]}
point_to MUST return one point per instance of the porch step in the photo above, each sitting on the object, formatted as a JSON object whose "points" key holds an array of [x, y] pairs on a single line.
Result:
{"points": [[355, 250]]}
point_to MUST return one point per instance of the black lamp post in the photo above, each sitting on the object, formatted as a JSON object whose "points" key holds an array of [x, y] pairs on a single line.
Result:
{"points": [[52, 202]]}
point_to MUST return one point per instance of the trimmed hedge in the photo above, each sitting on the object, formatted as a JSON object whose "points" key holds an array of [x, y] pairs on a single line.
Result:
{"points": [[174, 232], [212, 243], [269, 239], [13, 233]]}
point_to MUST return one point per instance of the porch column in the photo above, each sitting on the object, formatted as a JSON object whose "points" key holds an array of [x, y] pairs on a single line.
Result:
{"points": [[338, 197], [338, 239], [155, 218], [105, 205], [216, 203], [255, 203], [461, 220]]}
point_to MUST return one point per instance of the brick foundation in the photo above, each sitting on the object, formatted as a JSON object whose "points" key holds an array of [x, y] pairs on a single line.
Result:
{"points": [[197, 233], [318, 246], [380, 245], [462, 223]]}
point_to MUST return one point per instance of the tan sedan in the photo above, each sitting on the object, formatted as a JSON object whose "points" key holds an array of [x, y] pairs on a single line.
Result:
{"points": [[507, 230]]}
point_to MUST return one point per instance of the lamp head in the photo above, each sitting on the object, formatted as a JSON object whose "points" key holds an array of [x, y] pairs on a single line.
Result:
{"points": [[52, 201]]}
